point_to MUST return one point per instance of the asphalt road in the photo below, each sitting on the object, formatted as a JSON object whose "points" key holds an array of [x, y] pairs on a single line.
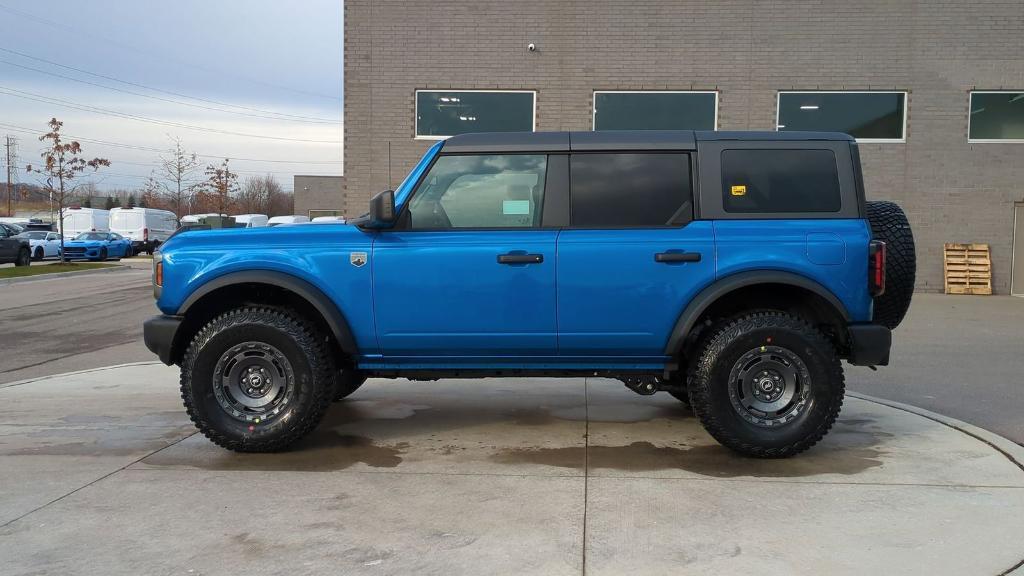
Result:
{"points": [[962, 356]]}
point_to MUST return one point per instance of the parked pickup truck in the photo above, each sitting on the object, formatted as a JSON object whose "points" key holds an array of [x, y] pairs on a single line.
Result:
{"points": [[732, 270]]}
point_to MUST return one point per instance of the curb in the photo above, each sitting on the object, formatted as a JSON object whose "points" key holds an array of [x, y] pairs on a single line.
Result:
{"points": [[76, 372], [1014, 452], [114, 268]]}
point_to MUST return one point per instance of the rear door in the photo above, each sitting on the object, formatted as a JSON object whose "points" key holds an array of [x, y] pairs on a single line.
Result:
{"points": [[468, 273], [632, 257]]}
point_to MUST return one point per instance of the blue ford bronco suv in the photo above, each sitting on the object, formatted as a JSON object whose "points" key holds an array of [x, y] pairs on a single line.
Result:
{"points": [[732, 270]]}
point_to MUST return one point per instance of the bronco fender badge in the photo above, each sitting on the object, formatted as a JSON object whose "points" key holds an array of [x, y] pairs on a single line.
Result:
{"points": [[357, 259]]}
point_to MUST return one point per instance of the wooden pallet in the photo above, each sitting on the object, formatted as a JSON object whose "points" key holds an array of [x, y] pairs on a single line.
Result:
{"points": [[968, 269]]}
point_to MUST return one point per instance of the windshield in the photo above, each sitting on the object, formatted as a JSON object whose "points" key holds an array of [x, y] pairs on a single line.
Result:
{"points": [[91, 236], [33, 235]]}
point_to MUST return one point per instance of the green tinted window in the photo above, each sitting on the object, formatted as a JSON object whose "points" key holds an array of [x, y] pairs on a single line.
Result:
{"points": [[997, 116], [654, 110], [450, 113], [480, 191], [863, 115]]}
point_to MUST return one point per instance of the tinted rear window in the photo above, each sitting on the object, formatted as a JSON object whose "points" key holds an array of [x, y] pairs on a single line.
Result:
{"points": [[630, 190], [771, 181]]}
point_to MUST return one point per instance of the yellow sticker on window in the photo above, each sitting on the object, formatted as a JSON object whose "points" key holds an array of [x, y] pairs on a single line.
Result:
{"points": [[739, 190]]}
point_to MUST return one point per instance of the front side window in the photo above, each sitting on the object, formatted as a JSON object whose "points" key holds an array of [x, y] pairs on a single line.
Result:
{"points": [[863, 115], [780, 181], [655, 110], [630, 190], [997, 116], [480, 191], [440, 114]]}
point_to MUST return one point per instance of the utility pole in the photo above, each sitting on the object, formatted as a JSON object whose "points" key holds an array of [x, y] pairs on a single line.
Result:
{"points": [[10, 169]]}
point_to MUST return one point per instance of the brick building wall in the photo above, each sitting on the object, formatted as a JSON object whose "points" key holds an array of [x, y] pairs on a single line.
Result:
{"points": [[319, 193], [747, 50]]}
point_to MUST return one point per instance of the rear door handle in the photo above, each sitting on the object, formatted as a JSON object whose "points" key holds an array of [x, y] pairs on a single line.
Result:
{"points": [[520, 258], [670, 257]]}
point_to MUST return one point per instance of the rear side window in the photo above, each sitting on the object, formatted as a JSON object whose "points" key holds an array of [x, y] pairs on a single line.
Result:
{"points": [[771, 181], [630, 190]]}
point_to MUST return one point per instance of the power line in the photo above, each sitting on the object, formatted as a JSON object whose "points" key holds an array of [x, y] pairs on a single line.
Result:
{"points": [[42, 20], [124, 115], [281, 116], [165, 151]]}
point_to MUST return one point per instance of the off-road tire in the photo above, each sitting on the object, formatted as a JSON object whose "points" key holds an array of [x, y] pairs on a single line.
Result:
{"points": [[890, 225], [24, 257], [302, 346], [709, 383], [38, 254], [347, 381]]}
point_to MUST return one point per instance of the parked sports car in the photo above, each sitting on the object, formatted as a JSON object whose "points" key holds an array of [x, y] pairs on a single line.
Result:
{"points": [[97, 246], [42, 244]]}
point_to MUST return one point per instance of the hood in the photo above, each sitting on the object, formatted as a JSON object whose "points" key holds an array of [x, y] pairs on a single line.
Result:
{"points": [[86, 243], [267, 236]]}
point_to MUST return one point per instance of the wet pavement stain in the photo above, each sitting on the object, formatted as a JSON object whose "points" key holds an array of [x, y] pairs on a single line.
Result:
{"points": [[324, 451], [706, 460]]}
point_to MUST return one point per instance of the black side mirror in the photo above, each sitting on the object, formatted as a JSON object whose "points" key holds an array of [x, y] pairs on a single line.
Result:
{"points": [[382, 209]]}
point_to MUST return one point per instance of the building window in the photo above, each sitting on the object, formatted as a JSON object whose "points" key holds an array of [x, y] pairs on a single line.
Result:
{"points": [[867, 116], [630, 190], [655, 110], [996, 117], [444, 113], [780, 181]]}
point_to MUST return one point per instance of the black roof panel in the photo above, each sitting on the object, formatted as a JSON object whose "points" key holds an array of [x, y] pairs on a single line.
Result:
{"points": [[615, 140]]}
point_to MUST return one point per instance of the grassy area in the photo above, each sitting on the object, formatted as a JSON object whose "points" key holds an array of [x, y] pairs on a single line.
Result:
{"points": [[21, 271]]}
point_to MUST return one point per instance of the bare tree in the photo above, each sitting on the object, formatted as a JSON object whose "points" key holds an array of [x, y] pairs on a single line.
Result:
{"points": [[61, 165], [221, 184], [176, 178], [261, 195]]}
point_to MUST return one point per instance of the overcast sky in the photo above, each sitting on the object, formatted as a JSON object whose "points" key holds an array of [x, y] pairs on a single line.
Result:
{"points": [[268, 71]]}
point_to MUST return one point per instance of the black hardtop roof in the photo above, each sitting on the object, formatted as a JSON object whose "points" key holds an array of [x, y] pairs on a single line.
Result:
{"points": [[615, 140]]}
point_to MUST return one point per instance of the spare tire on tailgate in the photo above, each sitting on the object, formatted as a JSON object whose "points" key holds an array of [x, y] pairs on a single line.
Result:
{"points": [[890, 225]]}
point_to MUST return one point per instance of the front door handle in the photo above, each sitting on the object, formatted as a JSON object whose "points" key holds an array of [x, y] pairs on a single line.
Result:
{"points": [[520, 258], [670, 257]]}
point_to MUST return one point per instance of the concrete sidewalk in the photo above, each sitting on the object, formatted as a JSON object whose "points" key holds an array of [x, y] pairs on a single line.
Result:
{"points": [[101, 473]]}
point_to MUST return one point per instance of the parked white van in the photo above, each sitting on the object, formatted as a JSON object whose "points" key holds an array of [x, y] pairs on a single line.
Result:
{"points": [[327, 219], [250, 220], [147, 228], [78, 220], [278, 220]]}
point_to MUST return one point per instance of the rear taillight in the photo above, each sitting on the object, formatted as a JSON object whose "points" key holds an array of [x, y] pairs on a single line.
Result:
{"points": [[145, 234], [876, 267]]}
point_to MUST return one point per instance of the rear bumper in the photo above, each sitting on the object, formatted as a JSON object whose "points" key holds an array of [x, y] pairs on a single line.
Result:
{"points": [[869, 345], [159, 333]]}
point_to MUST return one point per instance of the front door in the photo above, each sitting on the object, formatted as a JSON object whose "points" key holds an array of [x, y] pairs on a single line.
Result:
{"points": [[468, 274], [632, 257]]}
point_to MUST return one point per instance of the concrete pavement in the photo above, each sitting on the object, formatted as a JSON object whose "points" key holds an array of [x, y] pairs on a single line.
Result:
{"points": [[101, 472]]}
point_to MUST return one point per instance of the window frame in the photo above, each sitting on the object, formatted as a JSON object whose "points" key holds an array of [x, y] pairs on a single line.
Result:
{"points": [[691, 164], [416, 108], [593, 101], [903, 128], [970, 102]]}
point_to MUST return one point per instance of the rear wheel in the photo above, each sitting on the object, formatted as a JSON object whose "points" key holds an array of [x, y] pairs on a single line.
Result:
{"points": [[767, 385], [256, 379], [890, 225]]}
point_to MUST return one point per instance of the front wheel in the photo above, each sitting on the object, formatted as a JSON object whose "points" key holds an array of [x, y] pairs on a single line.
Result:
{"points": [[38, 254], [24, 257], [103, 255], [256, 379], [767, 385]]}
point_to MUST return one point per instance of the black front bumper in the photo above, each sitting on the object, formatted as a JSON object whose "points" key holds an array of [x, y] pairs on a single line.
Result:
{"points": [[869, 345], [159, 333]]}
